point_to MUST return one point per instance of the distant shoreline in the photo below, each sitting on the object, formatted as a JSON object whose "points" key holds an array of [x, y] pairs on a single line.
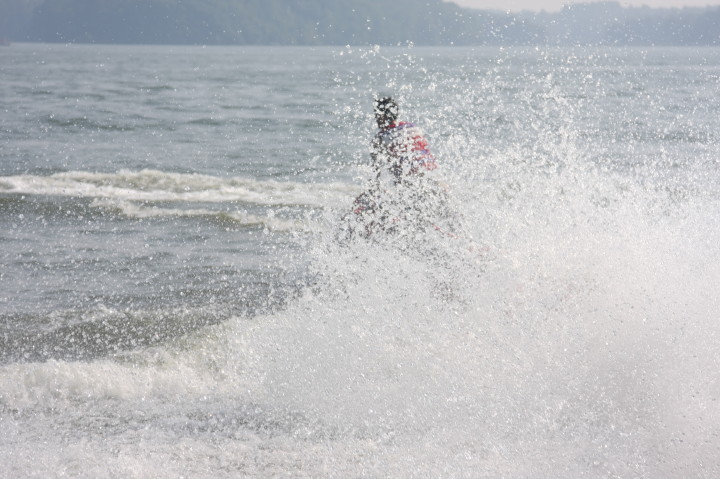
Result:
{"points": [[368, 22]]}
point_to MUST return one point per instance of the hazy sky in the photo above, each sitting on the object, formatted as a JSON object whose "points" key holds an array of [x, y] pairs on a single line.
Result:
{"points": [[552, 5]]}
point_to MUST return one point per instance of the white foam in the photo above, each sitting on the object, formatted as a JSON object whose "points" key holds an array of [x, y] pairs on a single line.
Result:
{"points": [[270, 221], [593, 345], [154, 185]]}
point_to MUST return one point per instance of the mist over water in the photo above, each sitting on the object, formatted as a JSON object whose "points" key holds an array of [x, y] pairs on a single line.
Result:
{"points": [[578, 337]]}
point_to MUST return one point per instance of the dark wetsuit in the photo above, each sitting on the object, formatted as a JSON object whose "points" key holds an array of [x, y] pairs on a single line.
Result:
{"points": [[401, 194], [401, 150]]}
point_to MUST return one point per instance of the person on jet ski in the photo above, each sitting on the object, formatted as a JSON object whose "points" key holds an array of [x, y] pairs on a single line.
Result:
{"points": [[399, 148], [401, 193]]}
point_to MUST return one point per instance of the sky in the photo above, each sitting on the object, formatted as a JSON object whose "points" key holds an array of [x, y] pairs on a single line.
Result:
{"points": [[554, 5]]}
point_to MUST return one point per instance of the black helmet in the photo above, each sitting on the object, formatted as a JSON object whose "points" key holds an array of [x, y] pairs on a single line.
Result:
{"points": [[386, 111]]}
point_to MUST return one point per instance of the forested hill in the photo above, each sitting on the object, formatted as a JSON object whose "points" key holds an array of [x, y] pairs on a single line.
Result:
{"points": [[269, 22], [341, 22]]}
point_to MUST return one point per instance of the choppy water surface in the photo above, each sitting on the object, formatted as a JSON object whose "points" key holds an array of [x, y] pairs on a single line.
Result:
{"points": [[174, 301]]}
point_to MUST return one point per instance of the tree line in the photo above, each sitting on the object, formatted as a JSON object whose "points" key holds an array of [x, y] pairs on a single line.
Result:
{"points": [[342, 22]]}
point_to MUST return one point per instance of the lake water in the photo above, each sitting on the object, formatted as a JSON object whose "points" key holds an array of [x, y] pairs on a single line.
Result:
{"points": [[174, 300]]}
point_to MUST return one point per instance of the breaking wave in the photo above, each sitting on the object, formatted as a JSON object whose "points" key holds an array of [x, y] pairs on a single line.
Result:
{"points": [[282, 206], [154, 185]]}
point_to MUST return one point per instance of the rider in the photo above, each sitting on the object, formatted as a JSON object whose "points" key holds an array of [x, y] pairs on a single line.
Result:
{"points": [[399, 148], [403, 201], [401, 158]]}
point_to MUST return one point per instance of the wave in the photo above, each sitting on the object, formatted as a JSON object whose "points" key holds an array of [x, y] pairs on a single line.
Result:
{"points": [[269, 221], [160, 186]]}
